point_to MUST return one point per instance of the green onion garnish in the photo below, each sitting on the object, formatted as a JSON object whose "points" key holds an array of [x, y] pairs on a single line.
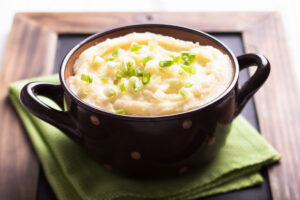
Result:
{"points": [[121, 111], [124, 68], [119, 74], [109, 92], [188, 58], [183, 93], [110, 58], [138, 72], [134, 72], [131, 72], [166, 63], [129, 64], [103, 78], [136, 84], [188, 85], [115, 52], [136, 47], [146, 78], [122, 87], [86, 78], [146, 59], [181, 72], [123, 71], [176, 59], [188, 69]]}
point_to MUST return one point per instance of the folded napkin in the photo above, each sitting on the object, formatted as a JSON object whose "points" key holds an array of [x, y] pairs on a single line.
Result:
{"points": [[74, 175]]}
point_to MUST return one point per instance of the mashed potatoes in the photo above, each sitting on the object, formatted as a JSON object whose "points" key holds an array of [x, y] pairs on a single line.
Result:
{"points": [[148, 74]]}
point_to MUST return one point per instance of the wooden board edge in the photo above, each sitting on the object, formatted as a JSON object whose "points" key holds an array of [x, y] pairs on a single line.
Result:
{"points": [[30, 51], [278, 104], [92, 22]]}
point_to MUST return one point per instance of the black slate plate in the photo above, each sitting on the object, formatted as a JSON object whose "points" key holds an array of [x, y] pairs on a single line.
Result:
{"points": [[233, 41]]}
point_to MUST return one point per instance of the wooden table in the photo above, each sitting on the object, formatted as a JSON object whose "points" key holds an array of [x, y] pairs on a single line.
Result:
{"points": [[31, 51]]}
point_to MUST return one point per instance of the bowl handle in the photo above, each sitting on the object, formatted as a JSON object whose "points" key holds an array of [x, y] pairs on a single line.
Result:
{"points": [[247, 90], [53, 91]]}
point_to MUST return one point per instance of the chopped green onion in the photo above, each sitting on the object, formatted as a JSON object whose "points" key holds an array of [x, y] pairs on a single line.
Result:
{"points": [[131, 72], [188, 69], [110, 58], [176, 59], [124, 68], [134, 72], [146, 78], [109, 92], [146, 59], [121, 111], [115, 52], [136, 84], [188, 85], [188, 58], [122, 87], [136, 47], [123, 71], [181, 72], [129, 64], [166, 63], [138, 72], [184, 93], [86, 78], [113, 92], [133, 80], [103, 78], [119, 74]]}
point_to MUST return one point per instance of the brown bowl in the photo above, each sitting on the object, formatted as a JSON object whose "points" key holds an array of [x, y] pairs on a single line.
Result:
{"points": [[147, 145]]}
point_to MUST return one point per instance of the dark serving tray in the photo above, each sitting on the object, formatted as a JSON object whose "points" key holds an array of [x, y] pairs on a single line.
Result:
{"points": [[233, 41]]}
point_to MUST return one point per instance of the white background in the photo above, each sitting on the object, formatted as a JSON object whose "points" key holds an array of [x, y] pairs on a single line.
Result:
{"points": [[289, 9]]}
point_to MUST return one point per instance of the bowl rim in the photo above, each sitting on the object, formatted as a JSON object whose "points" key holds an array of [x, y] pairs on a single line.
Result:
{"points": [[156, 117]]}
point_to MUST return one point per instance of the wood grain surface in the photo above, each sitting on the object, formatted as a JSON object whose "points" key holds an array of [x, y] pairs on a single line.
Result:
{"points": [[31, 49], [278, 105], [29, 52]]}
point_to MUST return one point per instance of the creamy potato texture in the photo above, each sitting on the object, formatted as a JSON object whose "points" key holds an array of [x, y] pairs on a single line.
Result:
{"points": [[148, 74]]}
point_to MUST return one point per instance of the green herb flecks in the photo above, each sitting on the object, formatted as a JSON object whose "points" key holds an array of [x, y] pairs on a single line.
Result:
{"points": [[103, 78], [136, 47], [115, 52], [146, 59], [110, 58], [188, 69], [86, 78], [122, 87], [121, 111], [166, 63], [188, 58], [146, 78], [184, 93]]}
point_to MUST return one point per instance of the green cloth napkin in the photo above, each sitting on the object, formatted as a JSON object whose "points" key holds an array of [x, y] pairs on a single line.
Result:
{"points": [[73, 175]]}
